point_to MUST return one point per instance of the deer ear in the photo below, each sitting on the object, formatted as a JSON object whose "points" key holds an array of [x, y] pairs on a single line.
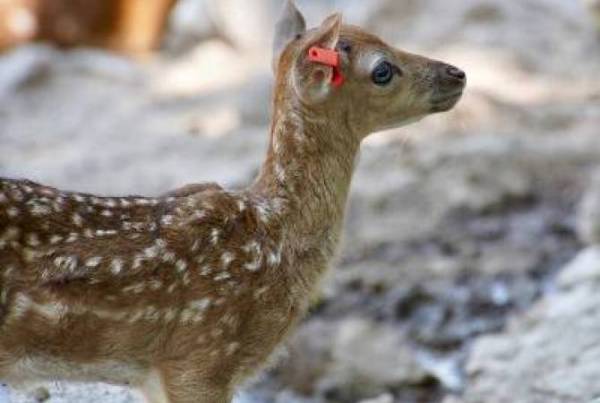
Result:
{"points": [[291, 23], [328, 34], [314, 81]]}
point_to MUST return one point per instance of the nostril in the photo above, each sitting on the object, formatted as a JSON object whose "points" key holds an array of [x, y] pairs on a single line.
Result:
{"points": [[455, 72]]}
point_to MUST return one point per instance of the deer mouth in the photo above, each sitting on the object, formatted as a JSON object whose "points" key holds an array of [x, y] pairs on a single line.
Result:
{"points": [[445, 102]]}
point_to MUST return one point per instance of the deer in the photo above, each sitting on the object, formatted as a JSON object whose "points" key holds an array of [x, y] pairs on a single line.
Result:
{"points": [[185, 296]]}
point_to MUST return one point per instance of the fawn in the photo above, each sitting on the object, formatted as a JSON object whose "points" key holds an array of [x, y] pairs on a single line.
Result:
{"points": [[186, 295]]}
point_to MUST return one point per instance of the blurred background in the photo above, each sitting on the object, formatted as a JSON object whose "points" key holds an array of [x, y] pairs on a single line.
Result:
{"points": [[469, 271]]}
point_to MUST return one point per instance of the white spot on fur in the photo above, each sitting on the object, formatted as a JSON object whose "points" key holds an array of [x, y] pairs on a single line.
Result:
{"points": [[186, 278], [137, 262], [20, 305], [172, 288], [77, 219], [170, 314], [227, 258], [200, 304], [168, 257], [262, 210], [274, 257], [166, 220], [254, 265], [181, 265], [205, 270], [53, 310], [93, 261], [151, 314], [37, 209], [214, 236], [136, 288], [152, 251], [155, 284], [68, 263], [260, 291], [106, 232], [116, 265], [222, 276], [253, 248], [54, 239], [232, 348], [280, 173], [139, 314]]}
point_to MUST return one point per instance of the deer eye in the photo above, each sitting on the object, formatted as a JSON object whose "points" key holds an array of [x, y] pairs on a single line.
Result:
{"points": [[383, 73]]}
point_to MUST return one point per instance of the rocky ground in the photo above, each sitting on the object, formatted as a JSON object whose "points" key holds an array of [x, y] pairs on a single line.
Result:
{"points": [[469, 271]]}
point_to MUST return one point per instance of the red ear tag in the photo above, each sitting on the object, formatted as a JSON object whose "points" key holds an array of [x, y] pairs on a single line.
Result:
{"points": [[328, 58]]}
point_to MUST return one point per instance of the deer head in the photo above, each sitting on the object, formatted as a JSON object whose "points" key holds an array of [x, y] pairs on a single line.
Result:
{"points": [[382, 87]]}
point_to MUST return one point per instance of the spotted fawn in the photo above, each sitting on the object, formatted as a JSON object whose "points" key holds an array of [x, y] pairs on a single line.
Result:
{"points": [[186, 295]]}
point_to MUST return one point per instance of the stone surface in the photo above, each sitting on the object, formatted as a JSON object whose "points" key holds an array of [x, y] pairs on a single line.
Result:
{"points": [[550, 354], [368, 357], [588, 214]]}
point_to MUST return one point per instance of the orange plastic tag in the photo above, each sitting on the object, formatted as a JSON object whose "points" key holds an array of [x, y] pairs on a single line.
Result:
{"points": [[324, 56], [328, 58]]}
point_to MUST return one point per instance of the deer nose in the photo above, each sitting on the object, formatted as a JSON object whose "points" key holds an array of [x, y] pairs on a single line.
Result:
{"points": [[455, 72], [449, 78]]}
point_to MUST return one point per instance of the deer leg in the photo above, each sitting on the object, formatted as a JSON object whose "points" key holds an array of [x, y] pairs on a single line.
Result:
{"points": [[154, 389], [182, 386]]}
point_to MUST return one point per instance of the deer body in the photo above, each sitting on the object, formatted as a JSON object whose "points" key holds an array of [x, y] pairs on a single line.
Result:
{"points": [[186, 295]]}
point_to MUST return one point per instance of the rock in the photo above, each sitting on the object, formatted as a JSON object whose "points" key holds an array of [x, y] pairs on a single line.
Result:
{"points": [[584, 269], [189, 24], [71, 393], [368, 358], [549, 355], [480, 187], [387, 398], [4, 394], [594, 7], [22, 66], [245, 25], [309, 356], [588, 213], [41, 394]]}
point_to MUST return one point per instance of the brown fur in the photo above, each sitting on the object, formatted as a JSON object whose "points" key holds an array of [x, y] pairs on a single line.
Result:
{"points": [[188, 294]]}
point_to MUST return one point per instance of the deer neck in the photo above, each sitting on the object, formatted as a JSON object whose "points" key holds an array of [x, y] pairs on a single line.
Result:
{"points": [[307, 173]]}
